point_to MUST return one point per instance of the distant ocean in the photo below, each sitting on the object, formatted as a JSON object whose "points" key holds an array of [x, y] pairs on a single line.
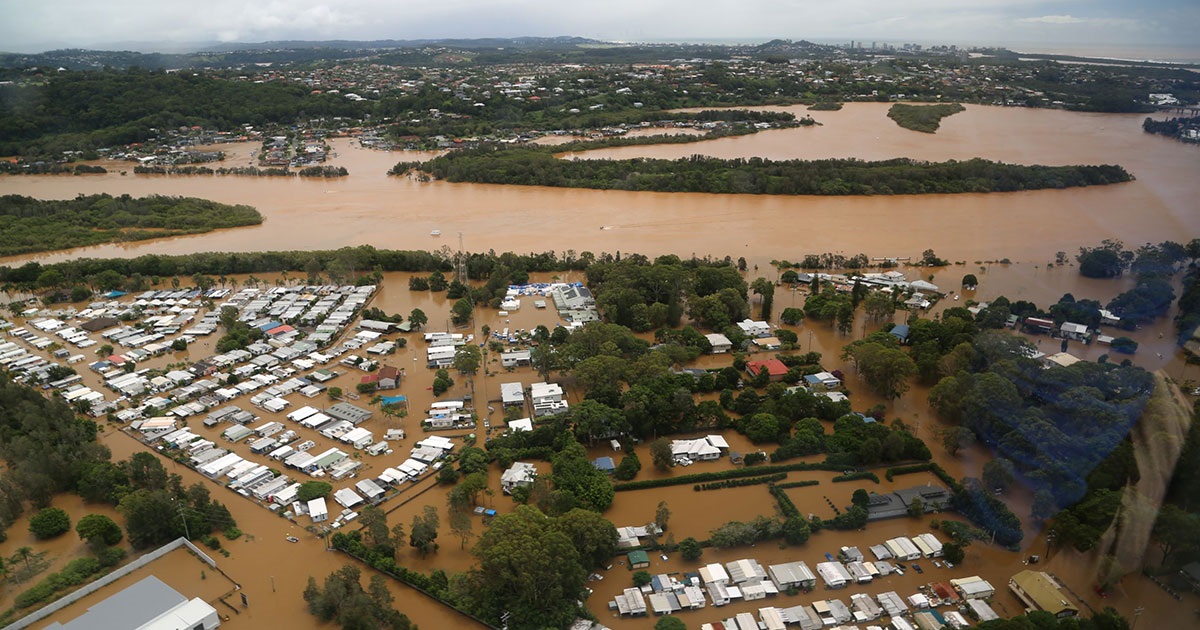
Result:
{"points": [[1169, 54]]}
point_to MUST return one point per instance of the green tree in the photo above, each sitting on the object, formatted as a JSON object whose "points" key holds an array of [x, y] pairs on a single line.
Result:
{"points": [[151, 518], [49, 522], [424, 531], [953, 552], [957, 438], [885, 370], [99, 531], [468, 358], [310, 490], [641, 578], [344, 601], [573, 473], [448, 476], [593, 536], [970, 281], [662, 515], [629, 466], [527, 567], [418, 319], [461, 526], [766, 289], [670, 623], [916, 508], [792, 316], [998, 473], [690, 549], [594, 420], [1176, 531], [375, 530], [462, 311], [660, 453]]}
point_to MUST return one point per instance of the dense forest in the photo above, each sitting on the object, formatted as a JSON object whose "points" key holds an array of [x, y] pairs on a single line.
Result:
{"points": [[528, 166], [926, 118], [90, 110], [33, 225], [1054, 425]]}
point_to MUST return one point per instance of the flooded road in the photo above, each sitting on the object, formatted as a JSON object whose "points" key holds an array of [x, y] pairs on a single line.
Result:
{"points": [[370, 208]]}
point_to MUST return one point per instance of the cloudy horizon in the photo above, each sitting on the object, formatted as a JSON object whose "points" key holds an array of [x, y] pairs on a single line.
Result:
{"points": [[1063, 24]]}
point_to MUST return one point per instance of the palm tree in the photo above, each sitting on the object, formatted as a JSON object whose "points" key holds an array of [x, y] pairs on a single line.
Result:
{"points": [[25, 553]]}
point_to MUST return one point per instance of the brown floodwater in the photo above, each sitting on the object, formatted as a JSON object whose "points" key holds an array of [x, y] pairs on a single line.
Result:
{"points": [[976, 230], [369, 207], [264, 555]]}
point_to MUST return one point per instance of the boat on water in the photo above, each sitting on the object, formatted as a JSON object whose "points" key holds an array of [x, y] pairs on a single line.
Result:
{"points": [[436, 233], [292, 539]]}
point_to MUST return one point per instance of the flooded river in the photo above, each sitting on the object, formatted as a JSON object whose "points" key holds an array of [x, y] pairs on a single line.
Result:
{"points": [[369, 207]]}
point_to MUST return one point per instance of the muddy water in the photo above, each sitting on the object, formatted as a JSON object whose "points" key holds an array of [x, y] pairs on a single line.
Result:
{"points": [[264, 554], [181, 571], [58, 550], [369, 207]]}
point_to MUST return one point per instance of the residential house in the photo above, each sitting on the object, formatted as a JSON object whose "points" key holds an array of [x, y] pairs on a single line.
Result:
{"points": [[823, 380], [548, 399], [754, 328], [518, 475], [775, 368], [515, 358], [1071, 330], [720, 343], [1036, 589]]}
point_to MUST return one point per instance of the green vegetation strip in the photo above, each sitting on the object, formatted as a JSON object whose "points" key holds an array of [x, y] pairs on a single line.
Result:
{"points": [[736, 473], [737, 483], [908, 470], [538, 166], [866, 474], [798, 484], [30, 225], [924, 118]]}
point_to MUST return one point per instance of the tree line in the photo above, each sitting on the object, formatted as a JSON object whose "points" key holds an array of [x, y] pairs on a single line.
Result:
{"points": [[537, 166], [924, 118], [33, 225]]}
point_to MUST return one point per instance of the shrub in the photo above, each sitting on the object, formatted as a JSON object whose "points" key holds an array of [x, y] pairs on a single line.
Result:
{"points": [[854, 476], [49, 522], [111, 556]]}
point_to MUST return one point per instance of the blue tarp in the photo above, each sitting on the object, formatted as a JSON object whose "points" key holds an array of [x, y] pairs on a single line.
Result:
{"points": [[114, 294], [392, 400]]}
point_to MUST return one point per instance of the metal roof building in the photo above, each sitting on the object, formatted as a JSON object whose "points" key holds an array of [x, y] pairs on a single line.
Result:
{"points": [[146, 605]]}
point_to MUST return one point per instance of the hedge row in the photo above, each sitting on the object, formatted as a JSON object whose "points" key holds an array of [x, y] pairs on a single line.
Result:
{"points": [[786, 507], [723, 474], [75, 573], [862, 474], [798, 484], [737, 483], [908, 470]]}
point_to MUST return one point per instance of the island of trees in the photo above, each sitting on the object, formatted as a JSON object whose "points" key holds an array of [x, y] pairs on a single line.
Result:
{"points": [[538, 166], [33, 225], [926, 118]]}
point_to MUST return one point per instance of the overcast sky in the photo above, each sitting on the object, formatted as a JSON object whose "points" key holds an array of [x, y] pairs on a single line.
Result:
{"points": [[34, 26]]}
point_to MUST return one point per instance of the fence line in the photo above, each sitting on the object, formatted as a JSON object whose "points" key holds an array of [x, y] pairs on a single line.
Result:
{"points": [[88, 589]]}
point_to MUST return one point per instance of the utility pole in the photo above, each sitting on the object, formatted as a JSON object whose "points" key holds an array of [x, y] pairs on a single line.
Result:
{"points": [[184, 519]]}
